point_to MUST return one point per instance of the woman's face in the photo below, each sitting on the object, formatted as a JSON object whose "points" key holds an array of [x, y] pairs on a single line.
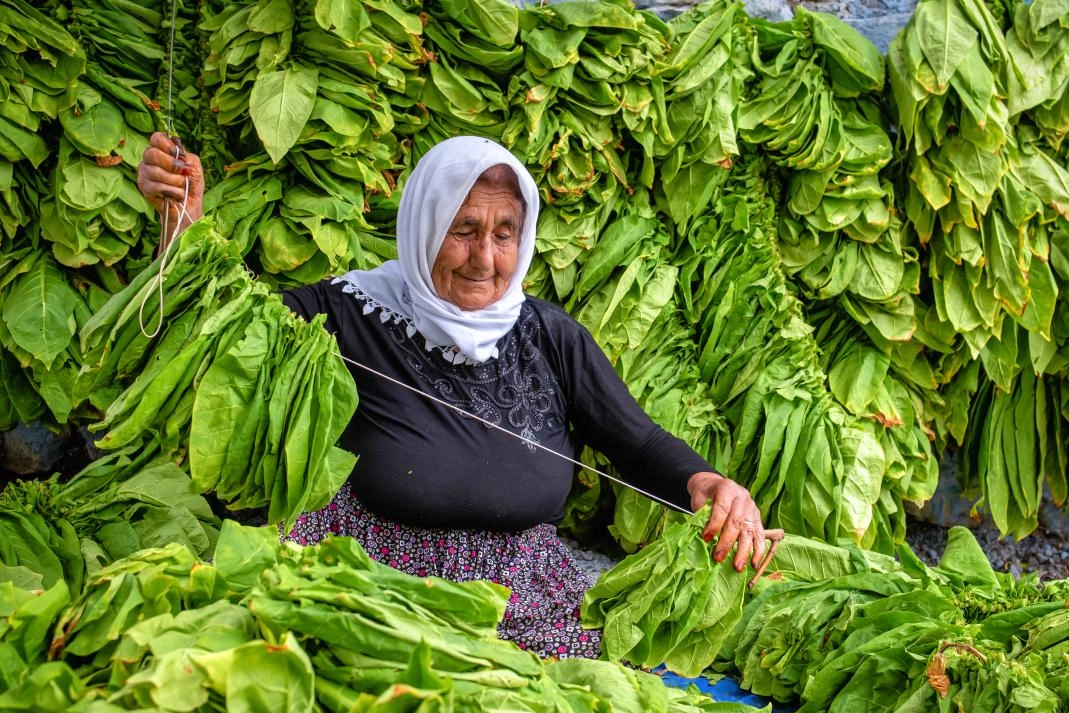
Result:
{"points": [[478, 256]]}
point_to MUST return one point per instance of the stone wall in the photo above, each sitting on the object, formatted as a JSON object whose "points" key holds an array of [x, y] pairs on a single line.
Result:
{"points": [[879, 20]]}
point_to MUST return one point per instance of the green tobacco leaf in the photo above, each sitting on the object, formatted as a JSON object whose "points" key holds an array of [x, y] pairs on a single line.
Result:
{"points": [[271, 16], [89, 187], [848, 47], [243, 552], [865, 463], [96, 130], [266, 677], [39, 311], [280, 104], [345, 18], [945, 36], [227, 389], [495, 21], [856, 377], [964, 557], [17, 143]]}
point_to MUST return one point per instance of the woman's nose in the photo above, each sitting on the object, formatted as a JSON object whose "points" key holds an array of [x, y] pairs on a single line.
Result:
{"points": [[481, 252]]}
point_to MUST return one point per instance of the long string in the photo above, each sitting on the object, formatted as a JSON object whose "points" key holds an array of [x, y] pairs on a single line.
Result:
{"points": [[171, 239], [526, 440], [182, 213], [170, 70]]}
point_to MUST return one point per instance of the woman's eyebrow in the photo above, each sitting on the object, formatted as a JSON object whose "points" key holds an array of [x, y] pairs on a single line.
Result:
{"points": [[471, 220]]}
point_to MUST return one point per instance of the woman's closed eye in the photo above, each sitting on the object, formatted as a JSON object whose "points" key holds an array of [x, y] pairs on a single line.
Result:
{"points": [[503, 237]]}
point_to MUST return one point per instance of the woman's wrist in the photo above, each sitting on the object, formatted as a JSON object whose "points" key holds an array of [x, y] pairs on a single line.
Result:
{"points": [[696, 481]]}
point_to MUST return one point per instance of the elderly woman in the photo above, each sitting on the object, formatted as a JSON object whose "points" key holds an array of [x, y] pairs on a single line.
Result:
{"points": [[438, 493]]}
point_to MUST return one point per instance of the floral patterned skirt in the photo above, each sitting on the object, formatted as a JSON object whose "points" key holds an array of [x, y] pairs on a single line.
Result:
{"points": [[547, 586]]}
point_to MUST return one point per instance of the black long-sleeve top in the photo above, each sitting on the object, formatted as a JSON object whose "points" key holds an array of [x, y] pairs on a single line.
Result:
{"points": [[423, 464]]}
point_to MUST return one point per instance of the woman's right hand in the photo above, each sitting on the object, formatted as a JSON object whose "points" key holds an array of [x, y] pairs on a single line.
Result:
{"points": [[162, 178]]}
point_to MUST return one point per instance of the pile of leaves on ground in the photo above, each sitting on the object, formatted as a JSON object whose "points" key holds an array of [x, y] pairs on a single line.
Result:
{"points": [[671, 603], [841, 629], [270, 626]]}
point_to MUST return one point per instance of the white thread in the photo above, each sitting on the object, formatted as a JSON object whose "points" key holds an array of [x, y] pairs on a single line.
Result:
{"points": [[528, 441], [170, 70], [183, 214]]}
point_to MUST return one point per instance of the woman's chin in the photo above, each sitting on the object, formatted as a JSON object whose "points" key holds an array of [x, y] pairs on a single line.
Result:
{"points": [[473, 300]]}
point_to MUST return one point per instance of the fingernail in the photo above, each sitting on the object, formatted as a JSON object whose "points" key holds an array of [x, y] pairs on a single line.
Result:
{"points": [[185, 170], [707, 536], [738, 568], [719, 556]]}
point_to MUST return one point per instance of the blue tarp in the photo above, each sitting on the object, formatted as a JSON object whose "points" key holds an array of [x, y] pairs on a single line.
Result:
{"points": [[726, 689]]}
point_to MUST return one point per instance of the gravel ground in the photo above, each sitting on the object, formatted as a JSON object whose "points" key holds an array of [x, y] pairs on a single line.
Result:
{"points": [[1043, 552]]}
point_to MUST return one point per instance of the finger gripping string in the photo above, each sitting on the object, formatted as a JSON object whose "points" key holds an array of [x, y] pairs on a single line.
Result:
{"points": [[170, 237]]}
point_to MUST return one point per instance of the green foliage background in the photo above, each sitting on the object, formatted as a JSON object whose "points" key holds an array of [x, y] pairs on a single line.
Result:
{"points": [[819, 266]]}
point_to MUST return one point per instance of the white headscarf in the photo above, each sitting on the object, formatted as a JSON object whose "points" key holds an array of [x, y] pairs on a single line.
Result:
{"points": [[437, 188]]}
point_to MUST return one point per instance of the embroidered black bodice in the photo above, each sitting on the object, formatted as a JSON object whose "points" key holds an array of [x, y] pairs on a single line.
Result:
{"points": [[422, 463]]}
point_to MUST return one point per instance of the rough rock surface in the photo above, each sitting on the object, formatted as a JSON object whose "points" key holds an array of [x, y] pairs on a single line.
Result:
{"points": [[879, 20], [1044, 552]]}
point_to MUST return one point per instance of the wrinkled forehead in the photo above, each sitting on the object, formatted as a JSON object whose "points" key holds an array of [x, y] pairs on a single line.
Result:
{"points": [[502, 177], [502, 181]]}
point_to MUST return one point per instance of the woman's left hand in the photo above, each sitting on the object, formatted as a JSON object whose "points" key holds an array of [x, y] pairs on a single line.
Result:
{"points": [[735, 518]]}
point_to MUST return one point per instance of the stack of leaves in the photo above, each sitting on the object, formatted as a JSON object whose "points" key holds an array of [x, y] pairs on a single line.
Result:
{"points": [[132, 500], [1014, 437], [166, 631], [1038, 45], [358, 617], [848, 630], [670, 603], [40, 63], [154, 327], [810, 468], [241, 40], [267, 414], [628, 281], [141, 622], [583, 62], [377, 637], [692, 140], [93, 212], [473, 53], [118, 505], [41, 310], [814, 109], [971, 189], [36, 544], [1015, 446], [256, 396], [892, 403], [28, 611], [313, 84]]}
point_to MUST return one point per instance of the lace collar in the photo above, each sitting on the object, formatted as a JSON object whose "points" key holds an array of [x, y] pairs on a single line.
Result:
{"points": [[386, 314]]}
